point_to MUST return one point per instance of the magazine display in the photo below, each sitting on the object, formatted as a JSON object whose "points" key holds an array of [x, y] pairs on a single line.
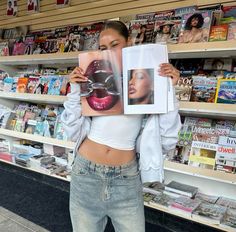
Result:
{"points": [[162, 200], [181, 188], [229, 220], [145, 92], [210, 213], [102, 93], [185, 205], [206, 198]]}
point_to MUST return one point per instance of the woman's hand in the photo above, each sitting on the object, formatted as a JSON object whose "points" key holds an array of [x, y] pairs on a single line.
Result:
{"points": [[77, 76], [169, 70]]}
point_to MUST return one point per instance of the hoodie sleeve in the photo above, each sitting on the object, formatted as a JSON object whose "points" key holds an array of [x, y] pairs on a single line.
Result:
{"points": [[170, 125], [74, 124]]}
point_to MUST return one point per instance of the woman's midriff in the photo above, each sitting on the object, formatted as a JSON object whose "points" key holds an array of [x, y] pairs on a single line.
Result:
{"points": [[102, 154]]}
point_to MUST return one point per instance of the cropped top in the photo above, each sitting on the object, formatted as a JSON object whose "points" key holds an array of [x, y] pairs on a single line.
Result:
{"points": [[116, 131]]}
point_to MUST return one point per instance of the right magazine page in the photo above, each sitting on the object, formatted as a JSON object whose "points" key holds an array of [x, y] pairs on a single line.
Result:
{"points": [[144, 91]]}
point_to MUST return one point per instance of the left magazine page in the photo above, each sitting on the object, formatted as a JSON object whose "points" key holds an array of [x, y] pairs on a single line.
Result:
{"points": [[144, 91], [102, 94]]}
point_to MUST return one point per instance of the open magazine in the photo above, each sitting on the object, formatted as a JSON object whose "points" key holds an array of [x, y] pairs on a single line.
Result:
{"points": [[144, 91]]}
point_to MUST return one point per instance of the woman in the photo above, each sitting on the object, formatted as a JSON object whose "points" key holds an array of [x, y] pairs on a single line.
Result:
{"points": [[141, 86], [105, 177]]}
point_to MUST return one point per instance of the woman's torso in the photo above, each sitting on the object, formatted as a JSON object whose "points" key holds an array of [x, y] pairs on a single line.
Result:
{"points": [[111, 140]]}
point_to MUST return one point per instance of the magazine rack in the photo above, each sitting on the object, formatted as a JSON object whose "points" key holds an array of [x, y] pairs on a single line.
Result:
{"points": [[210, 181]]}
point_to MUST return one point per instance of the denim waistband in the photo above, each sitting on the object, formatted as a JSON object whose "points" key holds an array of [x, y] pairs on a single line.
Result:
{"points": [[101, 168]]}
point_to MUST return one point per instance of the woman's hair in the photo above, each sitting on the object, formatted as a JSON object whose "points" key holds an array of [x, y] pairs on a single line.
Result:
{"points": [[117, 26], [199, 16]]}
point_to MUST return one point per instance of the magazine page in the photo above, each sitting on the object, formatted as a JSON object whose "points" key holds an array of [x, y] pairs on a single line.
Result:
{"points": [[102, 93], [144, 91]]}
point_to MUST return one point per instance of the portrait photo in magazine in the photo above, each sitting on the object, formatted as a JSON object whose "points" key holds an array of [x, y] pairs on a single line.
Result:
{"points": [[195, 27], [33, 6], [11, 8], [102, 93], [144, 91], [141, 86]]}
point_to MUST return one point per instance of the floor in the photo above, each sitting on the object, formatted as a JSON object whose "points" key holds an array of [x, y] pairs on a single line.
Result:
{"points": [[10, 222]]}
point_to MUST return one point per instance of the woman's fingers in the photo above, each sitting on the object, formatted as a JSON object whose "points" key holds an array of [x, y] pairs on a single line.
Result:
{"points": [[169, 70], [77, 76]]}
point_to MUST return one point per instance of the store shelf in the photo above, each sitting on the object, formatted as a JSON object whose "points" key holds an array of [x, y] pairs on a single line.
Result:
{"points": [[31, 169], [190, 50], [52, 58], [216, 110], [200, 172], [36, 98], [202, 50], [37, 138], [173, 212]]}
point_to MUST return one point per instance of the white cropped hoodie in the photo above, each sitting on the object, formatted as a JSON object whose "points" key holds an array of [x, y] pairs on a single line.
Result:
{"points": [[159, 135]]}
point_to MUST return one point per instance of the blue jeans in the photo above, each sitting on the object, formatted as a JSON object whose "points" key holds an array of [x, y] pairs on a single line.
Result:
{"points": [[98, 191]]}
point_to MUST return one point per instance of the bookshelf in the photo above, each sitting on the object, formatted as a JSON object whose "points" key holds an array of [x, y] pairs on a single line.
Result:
{"points": [[36, 138], [173, 212], [35, 98], [200, 172], [176, 51], [99, 10]]}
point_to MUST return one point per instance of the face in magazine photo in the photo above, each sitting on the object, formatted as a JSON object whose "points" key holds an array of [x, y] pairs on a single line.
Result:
{"points": [[140, 86], [101, 95]]}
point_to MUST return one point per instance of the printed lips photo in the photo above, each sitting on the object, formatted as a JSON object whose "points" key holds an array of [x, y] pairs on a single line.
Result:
{"points": [[102, 93]]}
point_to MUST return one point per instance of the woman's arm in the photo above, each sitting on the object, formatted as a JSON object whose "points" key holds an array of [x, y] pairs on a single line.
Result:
{"points": [[74, 123]]}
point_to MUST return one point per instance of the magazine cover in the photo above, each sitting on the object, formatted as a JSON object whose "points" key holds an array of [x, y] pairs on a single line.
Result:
{"points": [[4, 49], [195, 27], [22, 85], [210, 213], [62, 3], [218, 64], [54, 85], [32, 84], [226, 91], [218, 33], [33, 6], [145, 92], [166, 31], [29, 44], [231, 31], [102, 94], [12, 8]]}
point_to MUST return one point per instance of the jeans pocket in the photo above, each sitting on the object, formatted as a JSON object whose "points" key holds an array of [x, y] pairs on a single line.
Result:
{"points": [[131, 173], [78, 169]]}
